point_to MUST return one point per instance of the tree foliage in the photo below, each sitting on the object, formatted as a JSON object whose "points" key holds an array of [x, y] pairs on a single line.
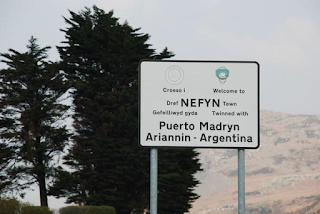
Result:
{"points": [[101, 57], [30, 112]]}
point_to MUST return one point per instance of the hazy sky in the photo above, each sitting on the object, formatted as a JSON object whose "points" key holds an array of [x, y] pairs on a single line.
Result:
{"points": [[283, 36]]}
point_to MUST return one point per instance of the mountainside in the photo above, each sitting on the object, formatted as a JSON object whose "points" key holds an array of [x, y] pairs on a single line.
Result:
{"points": [[282, 176]]}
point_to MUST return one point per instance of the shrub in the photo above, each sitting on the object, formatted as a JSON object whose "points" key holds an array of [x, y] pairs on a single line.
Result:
{"points": [[233, 173], [9, 206], [264, 170], [281, 140], [88, 210], [27, 209], [13, 206], [278, 159]]}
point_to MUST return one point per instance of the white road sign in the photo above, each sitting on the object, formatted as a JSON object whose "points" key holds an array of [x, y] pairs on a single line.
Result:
{"points": [[199, 104]]}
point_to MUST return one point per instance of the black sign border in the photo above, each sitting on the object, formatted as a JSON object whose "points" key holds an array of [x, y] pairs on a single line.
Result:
{"points": [[195, 61]]}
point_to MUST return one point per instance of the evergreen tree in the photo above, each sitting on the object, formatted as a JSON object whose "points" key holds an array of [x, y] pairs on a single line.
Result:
{"points": [[30, 135], [6, 156], [101, 57], [176, 180]]}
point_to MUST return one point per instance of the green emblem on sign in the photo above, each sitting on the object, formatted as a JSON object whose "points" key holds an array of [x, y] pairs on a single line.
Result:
{"points": [[222, 74]]}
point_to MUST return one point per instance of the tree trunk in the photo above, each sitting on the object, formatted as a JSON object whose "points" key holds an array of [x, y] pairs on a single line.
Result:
{"points": [[43, 190], [41, 174]]}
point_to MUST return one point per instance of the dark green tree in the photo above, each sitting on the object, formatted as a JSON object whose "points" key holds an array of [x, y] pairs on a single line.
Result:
{"points": [[30, 113], [108, 166], [6, 156], [176, 180]]}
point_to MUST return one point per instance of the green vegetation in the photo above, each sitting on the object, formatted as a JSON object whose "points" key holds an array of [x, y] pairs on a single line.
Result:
{"points": [[230, 153], [265, 208], [311, 134], [313, 207], [13, 206], [88, 210], [312, 120], [9, 206], [259, 210], [101, 58], [99, 67], [267, 131], [303, 142], [233, 173], [281, 140], [264, 170], [278, 159], [30, 89], [27, 209]]}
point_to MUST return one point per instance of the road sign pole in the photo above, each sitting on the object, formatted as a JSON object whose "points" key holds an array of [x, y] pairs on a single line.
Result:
{"points": [[153, 181], [241, 182]]}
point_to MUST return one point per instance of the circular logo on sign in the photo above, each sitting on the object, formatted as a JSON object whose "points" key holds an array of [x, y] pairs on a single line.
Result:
{"points": [[222, 73], [174, 75]]}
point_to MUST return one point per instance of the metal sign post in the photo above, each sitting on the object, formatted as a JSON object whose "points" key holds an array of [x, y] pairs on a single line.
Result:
{"points": [[153, 181], [241, 182]]}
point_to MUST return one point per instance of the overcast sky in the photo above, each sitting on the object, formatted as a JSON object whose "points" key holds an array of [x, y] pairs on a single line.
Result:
{"points": [[283, 36]]}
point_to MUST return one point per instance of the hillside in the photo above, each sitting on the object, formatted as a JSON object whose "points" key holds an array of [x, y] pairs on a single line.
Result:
{"points": [[282, 176]]}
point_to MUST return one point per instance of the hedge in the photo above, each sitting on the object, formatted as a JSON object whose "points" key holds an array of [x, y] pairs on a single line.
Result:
{"points": [[88, 210], [35, 210], [13, 206], [9, 206]]}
